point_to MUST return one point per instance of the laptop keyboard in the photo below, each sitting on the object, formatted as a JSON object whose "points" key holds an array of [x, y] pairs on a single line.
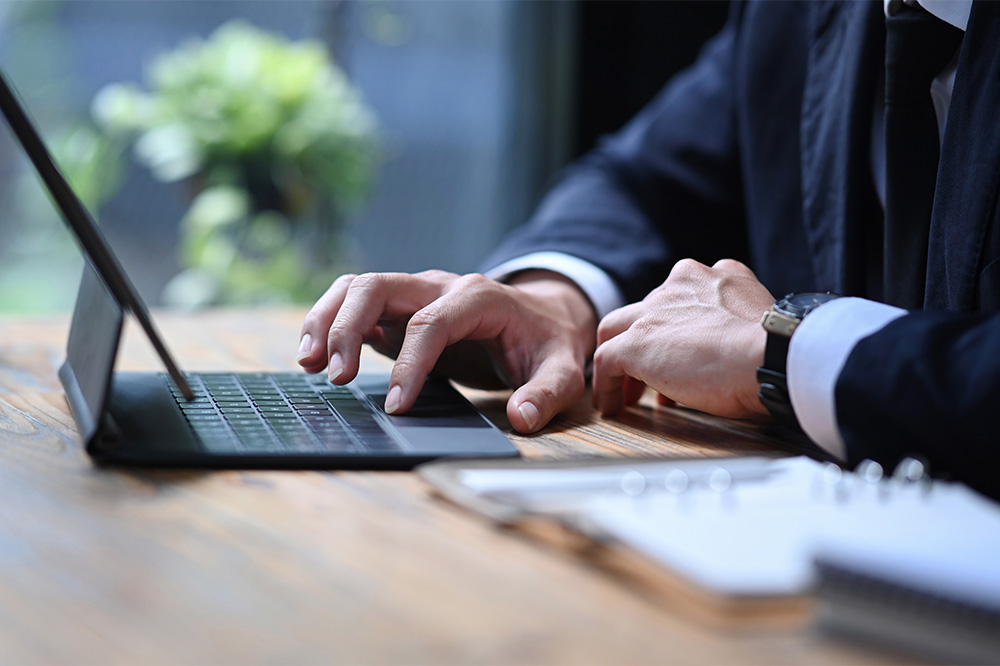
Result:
{"points": [[284, 412]]}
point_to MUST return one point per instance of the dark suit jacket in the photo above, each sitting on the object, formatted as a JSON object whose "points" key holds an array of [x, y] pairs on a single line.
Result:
{"points": [[761, 151]]}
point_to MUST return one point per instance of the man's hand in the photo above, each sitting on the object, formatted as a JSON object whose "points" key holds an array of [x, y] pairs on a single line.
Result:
{"points": [[696, 339], [533, 335]]}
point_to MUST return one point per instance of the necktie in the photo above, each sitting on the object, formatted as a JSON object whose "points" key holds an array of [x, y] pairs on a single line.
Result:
{"points": [[918, 46]]}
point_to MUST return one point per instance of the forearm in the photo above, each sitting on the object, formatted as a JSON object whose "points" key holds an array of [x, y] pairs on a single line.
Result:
{"points": [[928, 383]]}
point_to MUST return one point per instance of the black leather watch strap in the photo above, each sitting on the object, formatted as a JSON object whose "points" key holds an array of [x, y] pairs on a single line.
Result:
{"points": [[773, 394], [780, 323], [776, 354]]}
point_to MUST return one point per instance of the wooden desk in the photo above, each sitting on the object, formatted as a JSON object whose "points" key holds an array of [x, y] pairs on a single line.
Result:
{"points": [[162, 566]]}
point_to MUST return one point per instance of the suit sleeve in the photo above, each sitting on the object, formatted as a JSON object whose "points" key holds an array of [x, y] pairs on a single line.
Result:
{"points": [[666, 186], [927, 382]]}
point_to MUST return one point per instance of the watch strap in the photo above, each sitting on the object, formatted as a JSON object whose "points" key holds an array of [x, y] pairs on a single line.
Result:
{"points": [[773, 380], [776, 353], [772, 375], [773, 394]]}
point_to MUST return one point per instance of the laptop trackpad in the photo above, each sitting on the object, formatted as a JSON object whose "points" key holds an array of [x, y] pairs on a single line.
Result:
{"points": [[432, 411], [443, 422]]}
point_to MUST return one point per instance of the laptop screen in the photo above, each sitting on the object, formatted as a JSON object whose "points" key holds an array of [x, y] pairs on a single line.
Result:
{"points": [[91, 351], [89, 236]]}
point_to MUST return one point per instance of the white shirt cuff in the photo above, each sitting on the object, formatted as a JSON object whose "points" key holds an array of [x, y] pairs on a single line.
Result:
{"points": [[817, 353], [602, 291]]}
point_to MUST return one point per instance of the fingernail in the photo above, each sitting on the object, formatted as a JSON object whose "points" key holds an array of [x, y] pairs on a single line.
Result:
{"points": [[392, 399], [305, 347], [335, 367], [530, 414]]}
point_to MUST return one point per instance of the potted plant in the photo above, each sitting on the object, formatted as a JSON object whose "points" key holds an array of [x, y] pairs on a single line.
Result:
{"points": [[275, 144]]}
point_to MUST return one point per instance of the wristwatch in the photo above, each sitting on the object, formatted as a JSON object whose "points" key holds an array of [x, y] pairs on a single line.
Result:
{"points": [[780, 322]]}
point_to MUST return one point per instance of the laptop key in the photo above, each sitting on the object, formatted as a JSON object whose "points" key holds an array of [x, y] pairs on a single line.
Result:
{"points": [[270, 403], [322, 417], [197, 410], [243, 417], [280, 420], [211, 417], [315, 412], [274, 409], [227, 393], [238, 409], [269, 393]]}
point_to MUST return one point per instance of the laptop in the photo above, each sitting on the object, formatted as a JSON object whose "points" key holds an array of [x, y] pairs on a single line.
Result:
{"points": [[224, 419]]}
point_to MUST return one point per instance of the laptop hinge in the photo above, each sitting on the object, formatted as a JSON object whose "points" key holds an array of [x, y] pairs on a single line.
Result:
{"points": [[107, 438]]}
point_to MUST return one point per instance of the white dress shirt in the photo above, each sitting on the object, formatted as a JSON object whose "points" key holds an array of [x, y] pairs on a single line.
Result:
{"points": [[824, 340]]}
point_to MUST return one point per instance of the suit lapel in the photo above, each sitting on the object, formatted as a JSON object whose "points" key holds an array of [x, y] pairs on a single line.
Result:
{"points": [[969, 171], [840, 210]]}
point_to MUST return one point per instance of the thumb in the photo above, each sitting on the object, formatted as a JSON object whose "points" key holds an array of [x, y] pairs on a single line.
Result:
{"points": [[557, 384]]}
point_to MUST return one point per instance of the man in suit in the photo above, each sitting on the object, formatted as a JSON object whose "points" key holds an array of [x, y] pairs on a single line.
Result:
{"points": [[794, 147]]}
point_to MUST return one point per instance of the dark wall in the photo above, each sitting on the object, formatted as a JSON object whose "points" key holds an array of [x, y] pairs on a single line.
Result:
{"points": [[627, 50]]}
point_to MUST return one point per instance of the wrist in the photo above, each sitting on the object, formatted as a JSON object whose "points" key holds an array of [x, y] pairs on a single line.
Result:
{"points": [[780, 323]]}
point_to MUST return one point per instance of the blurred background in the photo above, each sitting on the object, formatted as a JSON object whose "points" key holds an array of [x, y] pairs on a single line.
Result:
{"points": [[247, 151]]}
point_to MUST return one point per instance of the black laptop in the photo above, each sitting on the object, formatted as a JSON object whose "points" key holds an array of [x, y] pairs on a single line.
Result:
{"points": [[223, 419]]}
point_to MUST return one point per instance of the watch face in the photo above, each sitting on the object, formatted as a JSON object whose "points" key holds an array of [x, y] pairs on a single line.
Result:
{"points": [[799, 305]]}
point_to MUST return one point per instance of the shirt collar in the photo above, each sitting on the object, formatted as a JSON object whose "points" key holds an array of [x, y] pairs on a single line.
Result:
{"points": [[955, 12]]}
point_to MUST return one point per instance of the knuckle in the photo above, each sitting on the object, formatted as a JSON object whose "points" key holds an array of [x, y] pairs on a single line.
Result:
{"points": [[473, 282], [426, 319], [730, 265], [478, 278], [642, 329], [687, 267], [410, 365], [344, 279], [345, 330], [365, 281], [312, 321], [340, 331], [435, 275], [403, 365]]}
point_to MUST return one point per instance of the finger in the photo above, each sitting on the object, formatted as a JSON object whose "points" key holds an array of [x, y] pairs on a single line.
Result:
{"points": [[609, 376], [557, 384], [618, 321], [632, 390], [469, 310], [665, 401], [370, 298], [312, 354]]}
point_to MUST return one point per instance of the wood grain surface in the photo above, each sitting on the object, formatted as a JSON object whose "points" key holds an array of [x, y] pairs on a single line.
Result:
{"points": [[109, 566]]}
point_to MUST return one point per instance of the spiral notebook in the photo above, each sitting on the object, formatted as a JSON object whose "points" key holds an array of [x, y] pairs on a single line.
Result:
{"points": [[741, 535], [942, 606]]}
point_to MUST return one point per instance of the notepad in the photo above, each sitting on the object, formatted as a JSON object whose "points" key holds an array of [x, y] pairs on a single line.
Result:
{"points": [[944, 608], [738, 528]]}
